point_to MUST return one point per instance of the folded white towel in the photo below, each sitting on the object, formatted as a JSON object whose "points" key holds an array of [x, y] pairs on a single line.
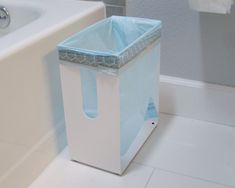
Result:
{"points": [[213, 6]]}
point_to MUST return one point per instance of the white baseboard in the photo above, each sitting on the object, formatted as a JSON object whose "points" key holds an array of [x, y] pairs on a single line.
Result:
{"points": [[197, 100]]}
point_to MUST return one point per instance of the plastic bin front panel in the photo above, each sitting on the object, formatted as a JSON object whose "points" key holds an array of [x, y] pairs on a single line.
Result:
{"points": [[138, 90]]}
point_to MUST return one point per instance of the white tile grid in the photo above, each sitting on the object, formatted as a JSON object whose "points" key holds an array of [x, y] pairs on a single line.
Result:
{"points": [[181, 153]]}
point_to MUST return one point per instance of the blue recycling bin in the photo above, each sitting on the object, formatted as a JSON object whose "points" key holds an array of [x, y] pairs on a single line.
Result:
{"points": [[110, 83]]}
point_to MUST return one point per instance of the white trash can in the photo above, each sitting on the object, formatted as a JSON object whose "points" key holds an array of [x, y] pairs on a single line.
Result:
{"points": [[110, 83]]}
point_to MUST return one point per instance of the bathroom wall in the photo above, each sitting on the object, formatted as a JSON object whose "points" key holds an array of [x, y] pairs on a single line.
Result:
{"points": [[114, 7], [198, 46]]}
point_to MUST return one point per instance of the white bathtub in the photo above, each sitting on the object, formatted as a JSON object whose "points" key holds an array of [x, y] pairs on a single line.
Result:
{"points": [[21, 15], [31, 108]]}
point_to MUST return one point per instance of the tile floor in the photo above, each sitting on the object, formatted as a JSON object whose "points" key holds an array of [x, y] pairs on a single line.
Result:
{"points": [[181, 153]]}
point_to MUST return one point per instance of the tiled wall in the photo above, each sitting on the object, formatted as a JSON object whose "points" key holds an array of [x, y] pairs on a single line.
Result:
{"points": [[114, 7]]}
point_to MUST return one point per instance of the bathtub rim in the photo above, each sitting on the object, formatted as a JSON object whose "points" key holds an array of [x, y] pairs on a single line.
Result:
{"points": [[41, 27]]}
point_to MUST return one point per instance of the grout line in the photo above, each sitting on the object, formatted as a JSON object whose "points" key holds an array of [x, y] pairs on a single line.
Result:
{"points": [[182, 174], [219, 124], [193, 177], [146, 185], [153, 170], [142, 164]]}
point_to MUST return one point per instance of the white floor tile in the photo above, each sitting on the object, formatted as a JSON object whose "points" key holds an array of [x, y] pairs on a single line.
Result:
{"points": [[164, 179], [63, 173], [194, 148]]}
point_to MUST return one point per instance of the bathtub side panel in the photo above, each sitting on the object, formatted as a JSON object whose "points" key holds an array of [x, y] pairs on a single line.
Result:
{"points": [[32, 129]]}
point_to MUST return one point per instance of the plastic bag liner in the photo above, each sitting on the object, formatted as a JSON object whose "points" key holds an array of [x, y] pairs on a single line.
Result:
{"points": [[110, 44]]}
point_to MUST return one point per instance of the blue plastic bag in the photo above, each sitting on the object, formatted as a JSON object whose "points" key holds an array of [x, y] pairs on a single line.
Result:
{"points": [[112, 42]]}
